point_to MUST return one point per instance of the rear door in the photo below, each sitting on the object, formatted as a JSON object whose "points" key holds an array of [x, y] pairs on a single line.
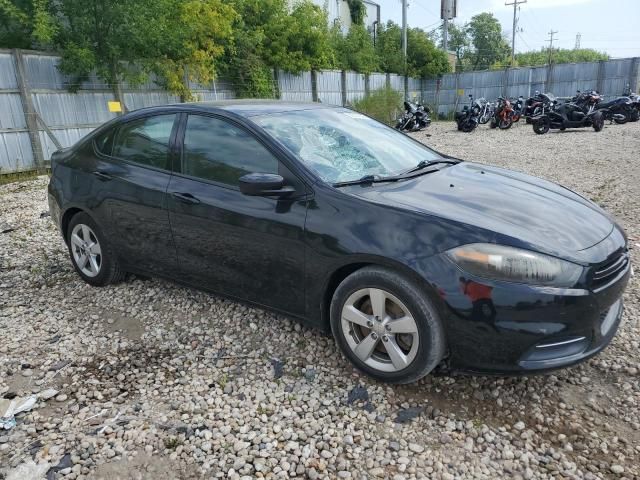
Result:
{"points": [[247, 247], [131, 178]]}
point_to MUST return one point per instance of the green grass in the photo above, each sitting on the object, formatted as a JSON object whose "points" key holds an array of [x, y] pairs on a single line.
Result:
{"points": [[6, 178], [384, 104]]}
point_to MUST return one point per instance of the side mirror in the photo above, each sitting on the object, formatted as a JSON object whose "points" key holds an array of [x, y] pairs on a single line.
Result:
{"points": [[264, 185]]}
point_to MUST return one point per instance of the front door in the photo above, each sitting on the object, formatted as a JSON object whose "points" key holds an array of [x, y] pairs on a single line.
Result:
{"points": [[251, 248]]}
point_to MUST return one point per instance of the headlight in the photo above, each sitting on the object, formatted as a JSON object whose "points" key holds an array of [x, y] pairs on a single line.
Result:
{"points": [[511, 264]]}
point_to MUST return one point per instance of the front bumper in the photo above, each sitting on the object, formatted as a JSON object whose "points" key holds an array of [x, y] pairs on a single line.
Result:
{"points": [[518, 328]]}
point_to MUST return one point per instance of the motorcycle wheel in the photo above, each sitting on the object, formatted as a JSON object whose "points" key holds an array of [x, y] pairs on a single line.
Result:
{"points": [[528, 120], [626, 114], [635, 115], [541, 126], [516, 118], [493, 123], [468, 127], [505, 124], [598, 121]]}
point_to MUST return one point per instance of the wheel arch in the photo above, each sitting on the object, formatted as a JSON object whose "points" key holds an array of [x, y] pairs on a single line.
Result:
{"points": [[68, 214], [342, 271]]}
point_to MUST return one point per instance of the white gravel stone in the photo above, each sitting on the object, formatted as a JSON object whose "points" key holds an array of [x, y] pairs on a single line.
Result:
{"points": [[155, 378]]}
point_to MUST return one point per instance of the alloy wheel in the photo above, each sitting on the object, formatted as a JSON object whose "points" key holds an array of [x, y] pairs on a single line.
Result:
{"points": [[380, 329], [86, 250]]}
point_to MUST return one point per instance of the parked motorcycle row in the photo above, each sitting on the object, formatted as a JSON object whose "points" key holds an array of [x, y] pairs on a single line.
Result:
{"points": [[545, 112]]}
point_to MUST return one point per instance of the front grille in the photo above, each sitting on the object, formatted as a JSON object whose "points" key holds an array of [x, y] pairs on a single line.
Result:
{"points": [[606, 272]]}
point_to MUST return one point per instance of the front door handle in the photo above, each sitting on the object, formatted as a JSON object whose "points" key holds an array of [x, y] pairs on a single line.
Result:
{"points": [[105, 177], [185, 198]]}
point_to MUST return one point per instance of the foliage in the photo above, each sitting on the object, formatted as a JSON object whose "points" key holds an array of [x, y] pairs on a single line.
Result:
{"points": [[423, 57], [382, 104], [489, 46], [459, 42], [267, 36], [355, 51], [357, 11], [128, 39], [25, 24], [541, 57]]}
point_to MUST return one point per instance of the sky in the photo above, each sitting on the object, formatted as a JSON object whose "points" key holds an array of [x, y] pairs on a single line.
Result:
{"points": [[612, 26]]}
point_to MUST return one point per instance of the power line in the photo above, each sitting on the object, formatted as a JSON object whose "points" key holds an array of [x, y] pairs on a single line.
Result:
{"points": [[515, 4]]}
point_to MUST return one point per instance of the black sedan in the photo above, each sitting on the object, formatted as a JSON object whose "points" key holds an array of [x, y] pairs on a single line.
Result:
{"points": [[409, 257]]}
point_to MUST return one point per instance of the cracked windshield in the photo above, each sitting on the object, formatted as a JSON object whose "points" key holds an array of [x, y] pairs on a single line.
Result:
{"points": [[342, 145]]}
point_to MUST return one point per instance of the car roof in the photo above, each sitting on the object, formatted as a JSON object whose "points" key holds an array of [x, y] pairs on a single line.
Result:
{"points": [[250, 108]]}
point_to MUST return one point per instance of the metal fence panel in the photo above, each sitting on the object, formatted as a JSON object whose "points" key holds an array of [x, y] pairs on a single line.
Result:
{"points": [[377, 81], [11, 114], [295, 87], [74, 109], [355, 86], [8, 77], [329, 85], [136, 100], [15, 152], [66, 136]]}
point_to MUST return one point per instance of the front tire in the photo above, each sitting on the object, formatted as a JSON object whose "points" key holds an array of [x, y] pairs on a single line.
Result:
{"points": [[541, 126], [598, 121], [90, 252], [386, 325]]}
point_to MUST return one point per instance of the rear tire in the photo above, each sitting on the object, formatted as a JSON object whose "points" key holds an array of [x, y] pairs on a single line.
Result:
{"points": [[90, 252], [505, 124], [386, 325]]}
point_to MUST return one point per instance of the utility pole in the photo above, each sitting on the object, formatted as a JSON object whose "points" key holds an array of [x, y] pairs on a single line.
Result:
{"points": [[578, 37], [551, 34], [404, 33], [515, 4], [445, 35]]}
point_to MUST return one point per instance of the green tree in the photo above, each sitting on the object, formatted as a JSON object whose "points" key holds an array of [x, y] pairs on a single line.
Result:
{"points": [[357, 11], [268, 36], [541, 57], [489, 46], [459, 43], [355, 51], [25, 24], [423, 57], [129, 39]]}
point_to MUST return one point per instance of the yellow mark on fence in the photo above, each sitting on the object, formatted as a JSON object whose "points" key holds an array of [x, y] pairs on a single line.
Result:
{"points": [[115, 107], [460, 92]]}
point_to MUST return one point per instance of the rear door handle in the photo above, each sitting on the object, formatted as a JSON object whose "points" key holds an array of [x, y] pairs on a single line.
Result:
{"points": [[185, 198], [103, 175]]}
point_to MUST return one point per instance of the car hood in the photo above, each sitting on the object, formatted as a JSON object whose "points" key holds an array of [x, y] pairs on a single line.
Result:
{"points": [[532, 210]]}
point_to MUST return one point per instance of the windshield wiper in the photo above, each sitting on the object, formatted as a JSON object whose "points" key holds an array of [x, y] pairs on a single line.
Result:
{"points": [[366, 179], [426, 163]]}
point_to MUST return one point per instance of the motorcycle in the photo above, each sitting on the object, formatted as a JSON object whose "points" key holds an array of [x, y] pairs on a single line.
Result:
{"points": [[537, 105], [469, 117], [568, 115], [635, 103], [618, 110], [503, 117], [415, 117], [518, 108], [487, 110]]}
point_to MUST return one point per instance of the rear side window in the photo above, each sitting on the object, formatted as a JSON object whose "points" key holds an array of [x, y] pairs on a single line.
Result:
{"points": [[217, 150], [145, 141], [104, 141]]}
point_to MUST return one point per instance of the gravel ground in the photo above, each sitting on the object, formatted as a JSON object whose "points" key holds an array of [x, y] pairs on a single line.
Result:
{"points": [[159, 381]]}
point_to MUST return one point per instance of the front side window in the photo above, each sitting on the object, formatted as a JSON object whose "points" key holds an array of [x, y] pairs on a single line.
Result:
{"points": [[342, 145], [145, 141], [216, 150]]}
